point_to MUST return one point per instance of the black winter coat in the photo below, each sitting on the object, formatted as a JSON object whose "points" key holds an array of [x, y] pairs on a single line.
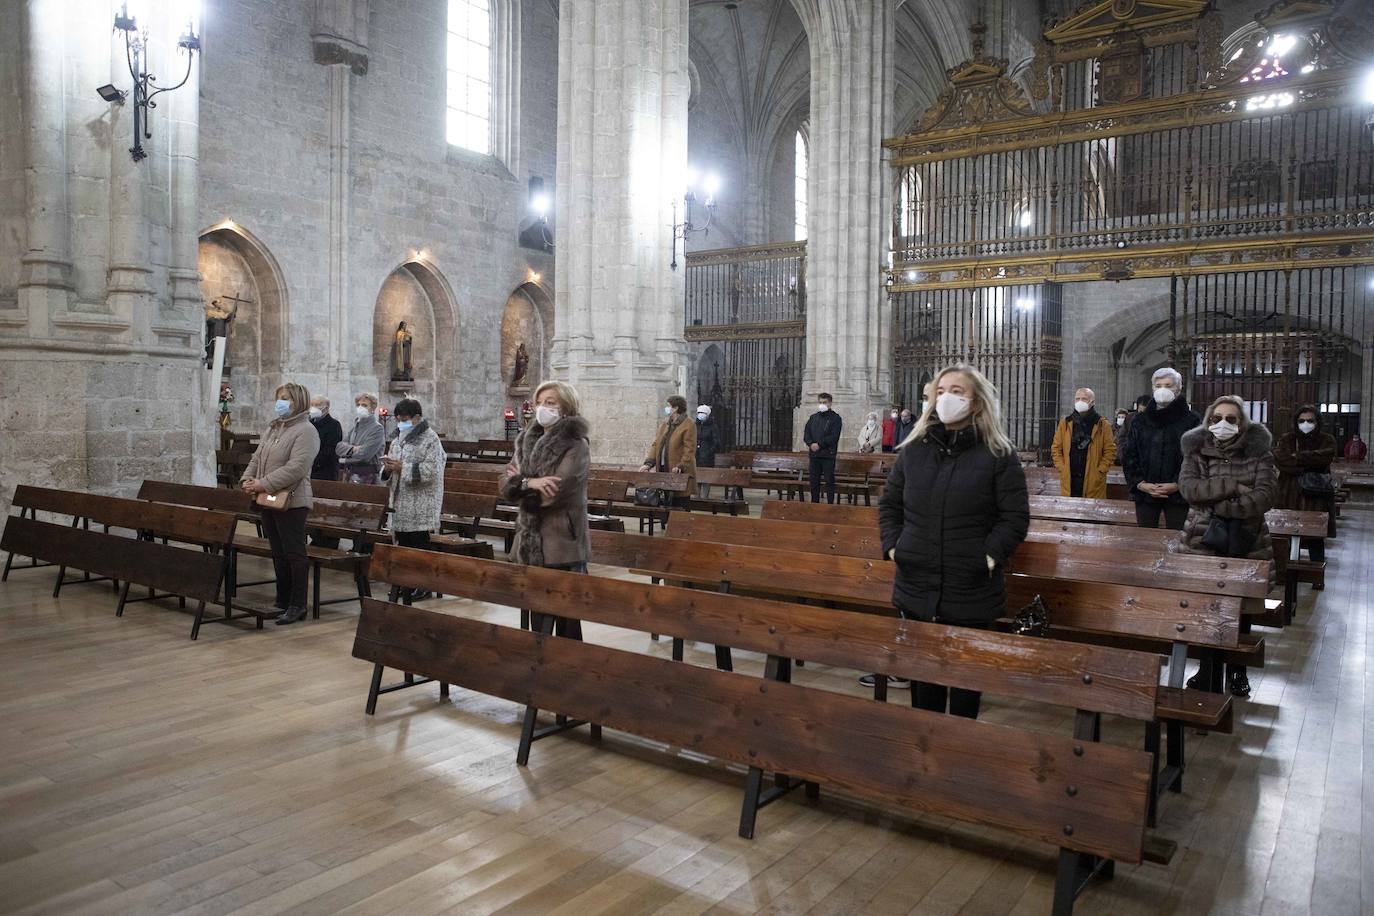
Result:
{"points": [[949, 504], [1152, 453], [823, 428], [326, 466], [708, 442]]}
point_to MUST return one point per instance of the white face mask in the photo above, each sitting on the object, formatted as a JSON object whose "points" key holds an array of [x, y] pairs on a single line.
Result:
{"points": [[822, 407], [1307, 428], [951, 408], [1223, 430], [1120, 421], [668, 411], [362, 412], [702, 416], [1082, 406], [316, 413], [546, 416], [894, 414], [925, 406], [1164, 396]]}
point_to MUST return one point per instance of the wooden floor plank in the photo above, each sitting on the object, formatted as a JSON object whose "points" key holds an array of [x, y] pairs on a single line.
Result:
{"points": [[237, 774]]}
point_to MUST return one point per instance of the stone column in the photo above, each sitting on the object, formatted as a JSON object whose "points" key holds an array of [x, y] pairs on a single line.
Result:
{"points": [[622, 159], [128, 291], [45, 280], [183, 120], [848, 322]]}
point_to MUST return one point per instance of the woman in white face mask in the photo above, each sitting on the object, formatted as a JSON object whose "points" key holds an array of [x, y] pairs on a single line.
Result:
{"points": [[1307, 450], [953, 510], [547, 480], [1229, 481], [360, 452]]}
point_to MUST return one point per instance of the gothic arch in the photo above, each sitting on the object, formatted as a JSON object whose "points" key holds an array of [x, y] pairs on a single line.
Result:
{"points": [[234, 262], [416, 288]]}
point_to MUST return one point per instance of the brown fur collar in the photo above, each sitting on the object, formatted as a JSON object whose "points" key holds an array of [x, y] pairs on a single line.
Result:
{"points": [[1255, 441], [538, 451]]}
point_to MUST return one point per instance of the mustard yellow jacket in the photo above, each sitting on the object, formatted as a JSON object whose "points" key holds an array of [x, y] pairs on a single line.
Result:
{"points": [[1101, 454]]}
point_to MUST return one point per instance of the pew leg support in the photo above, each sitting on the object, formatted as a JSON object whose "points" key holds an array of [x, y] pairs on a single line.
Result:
{"points": [[1075, 870], [373, 690], [123, 597], [677, 649]]}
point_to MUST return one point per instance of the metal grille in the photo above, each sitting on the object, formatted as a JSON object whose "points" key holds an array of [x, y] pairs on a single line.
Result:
{"points": [[1013, 334], [1309, 170], [749, 306], [1278, 339]]}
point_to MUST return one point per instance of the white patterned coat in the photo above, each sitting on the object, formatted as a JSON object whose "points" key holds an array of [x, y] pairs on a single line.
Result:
{"points": [[417, 489]]}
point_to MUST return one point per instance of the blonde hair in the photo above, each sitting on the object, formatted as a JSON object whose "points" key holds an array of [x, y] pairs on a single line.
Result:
{"points": [[567, 396], [297, 395], [985, 407], [1234, 400], [369, 397]]}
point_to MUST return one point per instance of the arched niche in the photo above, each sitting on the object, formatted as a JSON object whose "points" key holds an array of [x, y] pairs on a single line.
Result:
{"points": [[527, 319], [234, 264], [418, 294]]}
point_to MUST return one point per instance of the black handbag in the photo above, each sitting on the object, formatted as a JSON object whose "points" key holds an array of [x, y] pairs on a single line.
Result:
{"points": [[1228, 537], [1316, 483], [1033, 619], [648, 496]]}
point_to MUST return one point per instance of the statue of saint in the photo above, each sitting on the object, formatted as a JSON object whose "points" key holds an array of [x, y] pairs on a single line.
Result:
{"points": [[218, 313], [401, 367], [522, 365]]}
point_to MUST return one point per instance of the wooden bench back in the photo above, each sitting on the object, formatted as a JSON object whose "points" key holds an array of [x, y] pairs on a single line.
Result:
{"points": [[338, 514], [1122, 682], [185, 494], [1039, 558], [1079, 509], [780, 464], [656, 480], [474, 471], [496, 446], [1087, 796], [200, 526], [1163, 614], [484, 485], [183, 571], [469, 505], [342, 491], [607, 489], [794, 510], [725, 477], [1296, 523]]}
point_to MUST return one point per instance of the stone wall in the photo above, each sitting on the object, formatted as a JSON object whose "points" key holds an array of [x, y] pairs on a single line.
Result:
{"points": [[408, 196]]}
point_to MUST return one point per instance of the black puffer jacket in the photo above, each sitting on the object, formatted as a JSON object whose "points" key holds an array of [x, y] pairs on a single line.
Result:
{"points": [[1152, 453], [950, 503]]}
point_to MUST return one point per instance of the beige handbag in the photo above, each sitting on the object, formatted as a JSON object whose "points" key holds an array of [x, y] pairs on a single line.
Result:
{"points": [[275, 500]]}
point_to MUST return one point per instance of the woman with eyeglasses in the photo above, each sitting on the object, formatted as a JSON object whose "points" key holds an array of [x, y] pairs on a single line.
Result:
{"points": [[1229, 481]]}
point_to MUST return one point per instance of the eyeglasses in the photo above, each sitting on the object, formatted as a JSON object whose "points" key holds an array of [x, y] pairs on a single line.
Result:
{"points": [[1218, 418]]}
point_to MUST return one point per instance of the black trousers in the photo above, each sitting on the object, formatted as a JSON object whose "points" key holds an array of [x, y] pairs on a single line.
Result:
{"points": [[567, 627], [822, 468], [953, 700], [285, 531], [1147, 515]]}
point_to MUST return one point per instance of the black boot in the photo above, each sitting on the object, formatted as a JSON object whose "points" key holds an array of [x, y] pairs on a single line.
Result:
{"points": [[291, 615], [1240, 683]]}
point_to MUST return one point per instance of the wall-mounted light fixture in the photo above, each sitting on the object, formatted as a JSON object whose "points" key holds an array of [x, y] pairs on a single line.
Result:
{"points": [[710, 186], [537, 235], [144, 91]]}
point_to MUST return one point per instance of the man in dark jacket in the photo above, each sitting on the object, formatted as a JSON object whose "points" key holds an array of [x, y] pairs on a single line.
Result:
{"points": [[822, 437], [708, 442], [326, 466], [1152, 456]]}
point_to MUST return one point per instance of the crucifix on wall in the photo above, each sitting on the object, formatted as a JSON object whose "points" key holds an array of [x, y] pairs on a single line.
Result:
{"points": [[218, 313]]}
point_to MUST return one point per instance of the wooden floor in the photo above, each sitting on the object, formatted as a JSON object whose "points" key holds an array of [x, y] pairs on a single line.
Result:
{"points": [[143, 773]]}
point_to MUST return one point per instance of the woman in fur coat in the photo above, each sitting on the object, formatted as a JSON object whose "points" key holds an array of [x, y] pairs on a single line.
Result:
{"points": [[547, 480], [1228, 478]]}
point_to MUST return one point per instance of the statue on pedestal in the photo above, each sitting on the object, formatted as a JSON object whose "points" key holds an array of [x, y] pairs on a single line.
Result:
{"points": [[402, 369], [522, 365]]}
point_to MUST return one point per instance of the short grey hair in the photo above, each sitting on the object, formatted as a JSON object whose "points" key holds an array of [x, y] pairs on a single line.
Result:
{"points": [[1167, 372], [321, 400]]}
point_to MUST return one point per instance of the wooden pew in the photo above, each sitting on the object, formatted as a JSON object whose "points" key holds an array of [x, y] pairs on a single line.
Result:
{"points": [[732, 480], [183, 573], [811, 735]]}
